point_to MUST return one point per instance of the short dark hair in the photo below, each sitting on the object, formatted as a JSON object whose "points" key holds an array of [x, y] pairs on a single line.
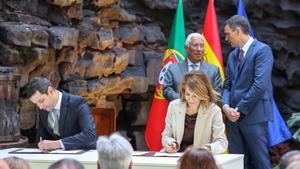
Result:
{"points": [[67, 163], [237, 21], [40, 84]]}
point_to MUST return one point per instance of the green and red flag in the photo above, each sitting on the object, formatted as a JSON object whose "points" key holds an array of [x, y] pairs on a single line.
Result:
{"points": [[174, 53]]}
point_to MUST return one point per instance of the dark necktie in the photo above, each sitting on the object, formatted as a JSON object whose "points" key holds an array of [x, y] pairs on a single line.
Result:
{"points": [[194, 67], [241, 58]]}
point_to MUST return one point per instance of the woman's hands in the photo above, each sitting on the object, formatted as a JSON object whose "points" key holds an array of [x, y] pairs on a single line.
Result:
{"points": [[172, 147]]}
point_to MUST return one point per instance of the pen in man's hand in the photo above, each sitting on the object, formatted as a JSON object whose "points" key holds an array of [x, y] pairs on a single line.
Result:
{"points": [[41, 139]]}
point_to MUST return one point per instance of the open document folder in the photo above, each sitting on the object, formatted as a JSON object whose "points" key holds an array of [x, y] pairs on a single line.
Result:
{"points": [[38, 151], [156, 154], [162, 154]]}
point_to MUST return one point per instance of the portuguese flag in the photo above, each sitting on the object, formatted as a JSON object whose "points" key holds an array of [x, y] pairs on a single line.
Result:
{"points": [[174, 53]]}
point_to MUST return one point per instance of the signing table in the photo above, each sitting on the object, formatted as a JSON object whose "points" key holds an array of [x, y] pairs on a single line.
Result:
{"points": [[140, 161]]}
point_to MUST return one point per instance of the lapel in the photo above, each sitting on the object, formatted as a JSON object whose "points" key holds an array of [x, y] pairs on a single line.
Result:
{"points": [[180, 118], [184, 66], [200, 125], [44, 118], [248, 54], [63, 113], [235, 63], [203, 67]]}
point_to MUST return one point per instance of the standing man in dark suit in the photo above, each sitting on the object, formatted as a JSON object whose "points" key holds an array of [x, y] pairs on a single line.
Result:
{"points": [[247, 94], [65, 121], [194, 46]]}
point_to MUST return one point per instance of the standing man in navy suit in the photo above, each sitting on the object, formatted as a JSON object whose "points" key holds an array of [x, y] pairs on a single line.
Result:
{"points": [[194, 46], [65, 121], [247, 94]]}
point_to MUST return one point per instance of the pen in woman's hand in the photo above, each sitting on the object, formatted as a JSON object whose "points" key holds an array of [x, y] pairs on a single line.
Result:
{"points": [[172, 147]]}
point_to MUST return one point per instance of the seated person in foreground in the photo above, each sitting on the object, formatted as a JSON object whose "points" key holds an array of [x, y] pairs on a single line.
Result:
{"points": [[294, 165], [114, 152], [197, 158], [17, 163], [66, 164], [194, 119], [65, 120], [3, 164], [288, 158]]}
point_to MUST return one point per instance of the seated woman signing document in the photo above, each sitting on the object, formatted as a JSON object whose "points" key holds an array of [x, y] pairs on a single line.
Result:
{"points": [[194, 120]]}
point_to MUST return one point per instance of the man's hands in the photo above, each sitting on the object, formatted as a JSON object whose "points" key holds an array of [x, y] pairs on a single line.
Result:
{"points": [[171, 148], [231, 113], [48, 145]]}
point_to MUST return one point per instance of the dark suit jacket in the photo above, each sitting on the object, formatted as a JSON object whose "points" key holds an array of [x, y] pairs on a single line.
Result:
{"points": [[76, 125], [250, 87], [176, 71]]}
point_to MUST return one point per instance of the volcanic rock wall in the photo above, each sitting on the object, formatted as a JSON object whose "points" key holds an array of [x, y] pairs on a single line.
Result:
{"points": [[110, 51]]}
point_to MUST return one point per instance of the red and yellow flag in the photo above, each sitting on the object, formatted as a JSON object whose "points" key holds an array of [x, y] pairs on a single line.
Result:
{"points": [[211, 35]]}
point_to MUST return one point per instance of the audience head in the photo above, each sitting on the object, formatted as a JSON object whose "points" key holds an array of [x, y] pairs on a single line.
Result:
{"points": [[194, 46], [294, 165], [66, 164], [288, 158], [3, 164], [114, 152], [41, 92], [197, 83], [235, 29], [197, 158], [16, 163]]}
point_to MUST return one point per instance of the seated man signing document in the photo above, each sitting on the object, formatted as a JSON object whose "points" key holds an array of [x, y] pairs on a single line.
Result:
{"points": [[65, 121]]}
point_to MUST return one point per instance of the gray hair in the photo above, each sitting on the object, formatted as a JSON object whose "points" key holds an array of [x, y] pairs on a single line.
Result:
{"points": [[114, 152], [17, 163], [66, 164], [237, 21], [189, 38], [288, 158], [294, 165]]}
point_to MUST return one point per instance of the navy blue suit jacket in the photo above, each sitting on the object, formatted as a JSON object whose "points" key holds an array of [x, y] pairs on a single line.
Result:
{"points": [[250, 87], [76, 126]]}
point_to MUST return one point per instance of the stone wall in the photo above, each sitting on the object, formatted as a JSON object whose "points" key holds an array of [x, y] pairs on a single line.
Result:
{"points": [[110, 51], [96, 49]]}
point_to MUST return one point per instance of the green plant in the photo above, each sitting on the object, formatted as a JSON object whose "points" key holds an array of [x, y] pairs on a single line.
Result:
{"points": [[294, 124]]}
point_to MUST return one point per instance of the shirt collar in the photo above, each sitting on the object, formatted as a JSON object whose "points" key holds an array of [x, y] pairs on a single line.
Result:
{"points": [[247, 45], [191, 63], [58, 104]]}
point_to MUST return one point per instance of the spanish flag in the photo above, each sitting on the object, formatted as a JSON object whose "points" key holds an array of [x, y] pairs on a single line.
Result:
{"points": [[174, 53], [213, 51]]}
